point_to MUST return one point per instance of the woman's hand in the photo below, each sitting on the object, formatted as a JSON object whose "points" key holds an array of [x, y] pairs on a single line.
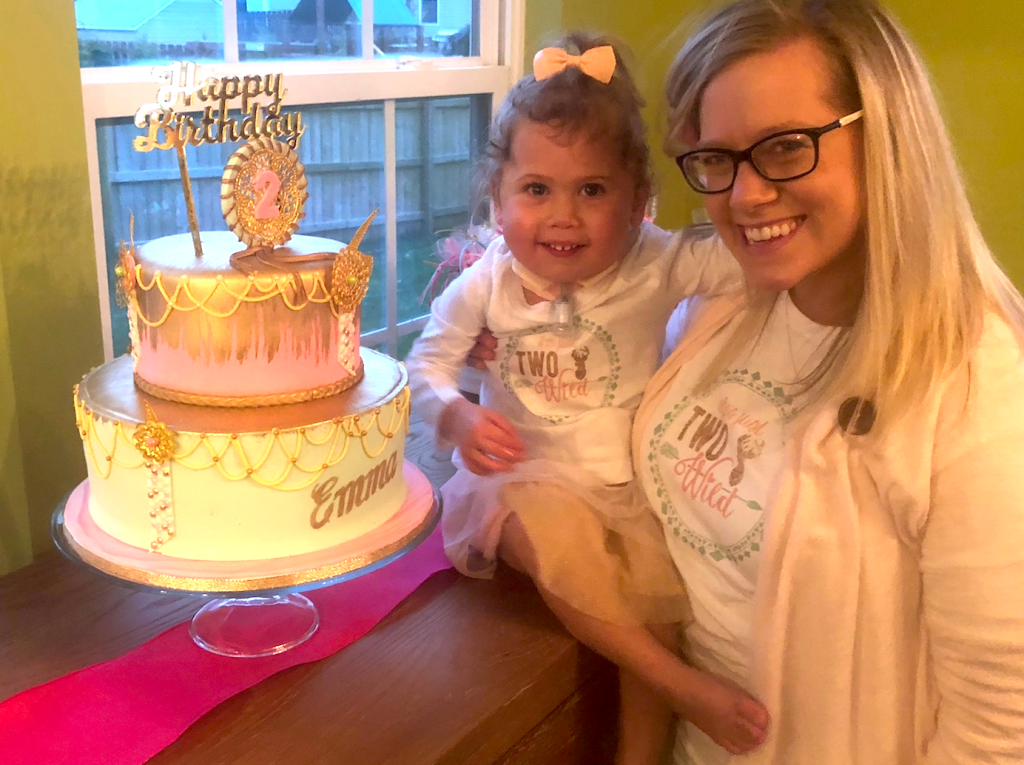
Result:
{"points": [[488, 442], [486, 349]]}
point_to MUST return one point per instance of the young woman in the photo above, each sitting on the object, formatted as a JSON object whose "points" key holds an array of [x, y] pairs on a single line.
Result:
{"points": [[836, 452]]}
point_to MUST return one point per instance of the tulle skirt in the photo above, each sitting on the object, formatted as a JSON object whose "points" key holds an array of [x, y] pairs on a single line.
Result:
{"points": [[599, 549]]}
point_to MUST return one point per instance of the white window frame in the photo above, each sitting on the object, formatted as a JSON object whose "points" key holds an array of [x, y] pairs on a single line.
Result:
{"points": [[111, 92]]}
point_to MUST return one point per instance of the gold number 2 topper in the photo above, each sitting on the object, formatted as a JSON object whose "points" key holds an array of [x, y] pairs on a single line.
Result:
{"points": [[263, 192]]}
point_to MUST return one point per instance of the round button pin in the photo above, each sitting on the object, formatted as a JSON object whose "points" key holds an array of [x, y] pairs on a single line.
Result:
{"points": [[856, 416]]}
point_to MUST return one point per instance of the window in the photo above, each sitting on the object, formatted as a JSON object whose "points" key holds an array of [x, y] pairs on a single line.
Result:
{"points": [[428, 11], [395, 96], [118, 33]]}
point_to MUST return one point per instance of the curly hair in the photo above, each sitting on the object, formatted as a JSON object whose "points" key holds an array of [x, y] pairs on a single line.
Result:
{"points": [[573, 102]]}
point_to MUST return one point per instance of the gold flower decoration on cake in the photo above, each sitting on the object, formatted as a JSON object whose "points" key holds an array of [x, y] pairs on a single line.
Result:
{"points": [[153, 440], [350, 276], [263, 192]]}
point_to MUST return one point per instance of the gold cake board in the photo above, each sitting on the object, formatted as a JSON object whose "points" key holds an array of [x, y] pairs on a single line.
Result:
{"points": [[78, 537]]}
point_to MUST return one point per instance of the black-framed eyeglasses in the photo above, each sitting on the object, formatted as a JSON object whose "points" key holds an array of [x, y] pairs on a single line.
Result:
{"points": [[783, 156]]}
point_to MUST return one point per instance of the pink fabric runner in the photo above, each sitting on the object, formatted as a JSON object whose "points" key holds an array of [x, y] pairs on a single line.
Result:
{"points": [[124, 711]]}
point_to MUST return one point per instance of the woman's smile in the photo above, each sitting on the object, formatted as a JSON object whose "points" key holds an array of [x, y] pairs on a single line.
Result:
{"points": [[771, 232], [818, 253]]}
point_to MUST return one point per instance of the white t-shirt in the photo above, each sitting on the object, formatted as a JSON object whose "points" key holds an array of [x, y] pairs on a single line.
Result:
{"points": [[712, 461], [570, 394]]}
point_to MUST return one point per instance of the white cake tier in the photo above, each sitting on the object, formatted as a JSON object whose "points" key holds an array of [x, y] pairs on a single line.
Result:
{"points": [[243, 484]]}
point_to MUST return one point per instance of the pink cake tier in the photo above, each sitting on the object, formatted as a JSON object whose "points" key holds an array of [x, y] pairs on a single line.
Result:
{"points": [[261, 331], [410, 522], [224, 484]]}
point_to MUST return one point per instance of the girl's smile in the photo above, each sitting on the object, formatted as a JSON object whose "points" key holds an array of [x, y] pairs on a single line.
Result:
{"points": [[563, 250]]}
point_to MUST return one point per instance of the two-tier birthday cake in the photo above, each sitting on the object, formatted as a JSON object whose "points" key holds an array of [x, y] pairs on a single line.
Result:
{"points": [[246, 435]]}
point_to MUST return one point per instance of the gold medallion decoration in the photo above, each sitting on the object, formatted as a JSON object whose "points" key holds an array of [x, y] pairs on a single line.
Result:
{"points": [[350, 276], [126, 283], [263, 192], [152, 438], [125, 270]]}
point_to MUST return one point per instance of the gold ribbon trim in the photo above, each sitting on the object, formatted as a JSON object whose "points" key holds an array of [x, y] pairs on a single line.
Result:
{"points": [[274, 399]]}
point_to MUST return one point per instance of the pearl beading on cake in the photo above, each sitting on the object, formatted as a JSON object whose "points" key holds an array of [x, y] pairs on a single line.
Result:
{"points": [[161, 503], [154, 442], [348, 350], [133, 331]]}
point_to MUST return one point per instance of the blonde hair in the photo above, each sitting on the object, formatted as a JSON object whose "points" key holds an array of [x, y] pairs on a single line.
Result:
{"points": [[930, 276], [575, 103]]}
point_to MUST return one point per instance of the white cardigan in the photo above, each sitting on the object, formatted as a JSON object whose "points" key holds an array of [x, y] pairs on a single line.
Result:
{"points": [[889, 613]]}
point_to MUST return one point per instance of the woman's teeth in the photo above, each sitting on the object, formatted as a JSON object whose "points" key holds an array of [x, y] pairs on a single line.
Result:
{"points": [[764, 233]]}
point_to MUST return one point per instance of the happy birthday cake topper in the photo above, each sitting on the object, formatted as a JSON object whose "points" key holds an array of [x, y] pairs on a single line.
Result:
{"points": [[272, 135], [180, 88]]}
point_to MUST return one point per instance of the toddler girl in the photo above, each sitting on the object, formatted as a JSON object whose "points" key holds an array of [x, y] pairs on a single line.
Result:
{"points": [[578, 292]]}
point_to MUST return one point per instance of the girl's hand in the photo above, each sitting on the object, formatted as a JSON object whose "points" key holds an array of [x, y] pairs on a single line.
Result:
{"points": [[486, 349], [488, 442]]}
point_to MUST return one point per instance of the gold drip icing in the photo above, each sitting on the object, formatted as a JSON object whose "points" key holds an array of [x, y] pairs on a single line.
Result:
{"points": [[221, 299], [192, 317], [236, 305], [202, 451]]}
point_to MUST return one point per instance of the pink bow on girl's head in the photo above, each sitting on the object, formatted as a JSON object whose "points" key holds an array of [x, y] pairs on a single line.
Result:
{"points": [[598, 63]]}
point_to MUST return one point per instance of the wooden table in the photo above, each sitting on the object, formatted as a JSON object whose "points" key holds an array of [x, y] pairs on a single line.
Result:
{"points": [[463, 671]]}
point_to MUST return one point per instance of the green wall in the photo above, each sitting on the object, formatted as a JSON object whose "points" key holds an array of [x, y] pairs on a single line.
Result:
{"points": [[49, 324], [15, 544], [975, 55]]}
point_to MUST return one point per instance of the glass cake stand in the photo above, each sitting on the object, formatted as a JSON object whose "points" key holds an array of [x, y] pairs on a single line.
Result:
{"points": [[253, 616]]}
